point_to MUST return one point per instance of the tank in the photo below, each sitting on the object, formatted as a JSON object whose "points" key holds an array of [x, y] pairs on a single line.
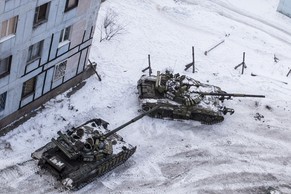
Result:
{"points": [[182, 97], [80, 155]]}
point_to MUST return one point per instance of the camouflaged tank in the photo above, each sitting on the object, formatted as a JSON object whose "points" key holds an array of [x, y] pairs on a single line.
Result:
{"points": [[181, 97], [81, 154]]}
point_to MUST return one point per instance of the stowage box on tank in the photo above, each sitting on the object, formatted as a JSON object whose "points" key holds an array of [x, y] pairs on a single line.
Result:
{"points": [[181, 97]]}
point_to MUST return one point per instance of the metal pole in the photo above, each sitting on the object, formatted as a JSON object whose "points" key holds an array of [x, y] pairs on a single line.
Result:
{"points": [[150, 68], [91, 64], [243, 63], [206, 52], [193, 55]]}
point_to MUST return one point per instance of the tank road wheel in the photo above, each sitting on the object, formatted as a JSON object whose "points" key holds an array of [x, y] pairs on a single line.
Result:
{"points": [[210, 120], [163, 114], [156, 114], [145, 108], [207, 119], [104, 168], [159, 115]]}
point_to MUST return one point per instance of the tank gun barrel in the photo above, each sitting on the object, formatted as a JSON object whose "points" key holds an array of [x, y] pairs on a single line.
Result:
{"points": [[230, 95], [129, 122]]}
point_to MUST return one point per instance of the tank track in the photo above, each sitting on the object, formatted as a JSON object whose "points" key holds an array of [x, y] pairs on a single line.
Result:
{"points": [[204, 118], [125, 155], [207, 119]]}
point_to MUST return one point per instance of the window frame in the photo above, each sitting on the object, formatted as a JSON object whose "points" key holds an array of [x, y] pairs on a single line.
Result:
{"points": [[67, 8], [62, 40], [31, 58], [8, 25], [4, 74], [24, 95], [2, 107], [62, 73], [36, 21]]}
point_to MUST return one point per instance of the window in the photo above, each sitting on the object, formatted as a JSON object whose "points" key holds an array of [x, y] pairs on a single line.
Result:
{"points": [[34, 51], [5, 66], [28, 87], [60, 70], [41, 14], [71, 4], [3, 101], [9, 27], [65, 34]]}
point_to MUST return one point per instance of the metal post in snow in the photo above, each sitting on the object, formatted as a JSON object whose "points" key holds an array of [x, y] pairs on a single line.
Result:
{"points": [[193, 55], [149, 67], [192, 63], [243, 63], [91, 65], [288, 73], [206, 52]]}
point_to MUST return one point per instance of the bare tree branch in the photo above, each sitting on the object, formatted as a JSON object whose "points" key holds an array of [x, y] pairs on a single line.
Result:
{"points": [[110, 26]]}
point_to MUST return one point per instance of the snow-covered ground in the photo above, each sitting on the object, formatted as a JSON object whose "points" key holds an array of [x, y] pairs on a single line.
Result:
{"points": [[240, 155]]}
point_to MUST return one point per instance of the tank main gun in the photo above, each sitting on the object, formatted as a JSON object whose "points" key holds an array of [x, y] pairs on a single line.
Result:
{"points": [[129, 122], [72, 146], [229, 95]]}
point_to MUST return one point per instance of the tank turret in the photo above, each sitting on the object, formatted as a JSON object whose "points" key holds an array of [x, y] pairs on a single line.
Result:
{"points": [[182, 97], [79, 155]]}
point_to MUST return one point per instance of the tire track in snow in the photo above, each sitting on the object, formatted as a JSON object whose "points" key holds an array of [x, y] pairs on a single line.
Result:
{"points": [[163, 11], [226, 6], [254, 21], [248, 20], [24, 178]]}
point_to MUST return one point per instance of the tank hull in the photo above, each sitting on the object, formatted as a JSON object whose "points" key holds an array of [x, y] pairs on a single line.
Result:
{"points": [[80, 174], [180, 112], [208, 110], [76, 173]]}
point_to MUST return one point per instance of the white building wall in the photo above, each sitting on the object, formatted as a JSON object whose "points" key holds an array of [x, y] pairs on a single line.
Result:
{"points": [[285, 7], [82, 19]]}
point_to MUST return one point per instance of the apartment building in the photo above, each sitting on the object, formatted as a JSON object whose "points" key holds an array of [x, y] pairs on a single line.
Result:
{"points": [[44, 48], [285, 7]]}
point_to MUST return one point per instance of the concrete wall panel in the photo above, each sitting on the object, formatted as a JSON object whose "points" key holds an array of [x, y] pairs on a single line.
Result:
{"points": [[72, 65], [81, 64], [26, 100], [63, 49], [48, 80], [39, 85], [45, 50], [77, 33]]}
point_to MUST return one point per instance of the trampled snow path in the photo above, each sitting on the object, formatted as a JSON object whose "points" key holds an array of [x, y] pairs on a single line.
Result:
{"points": [[240, 155], [244, 14]]}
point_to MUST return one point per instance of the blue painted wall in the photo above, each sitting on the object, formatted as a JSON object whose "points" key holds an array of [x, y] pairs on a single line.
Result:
{"points": [[82, 19], [285, 7]]}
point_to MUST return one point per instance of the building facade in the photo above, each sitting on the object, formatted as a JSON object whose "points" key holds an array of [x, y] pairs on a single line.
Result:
{"points": [[44, 48], [285, 7]]}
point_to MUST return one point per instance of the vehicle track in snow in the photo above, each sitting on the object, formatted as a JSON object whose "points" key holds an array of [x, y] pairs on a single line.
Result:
{"points": [[250, 16], [210, 166], [165, 12], [24, 177], [247, 19]]}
